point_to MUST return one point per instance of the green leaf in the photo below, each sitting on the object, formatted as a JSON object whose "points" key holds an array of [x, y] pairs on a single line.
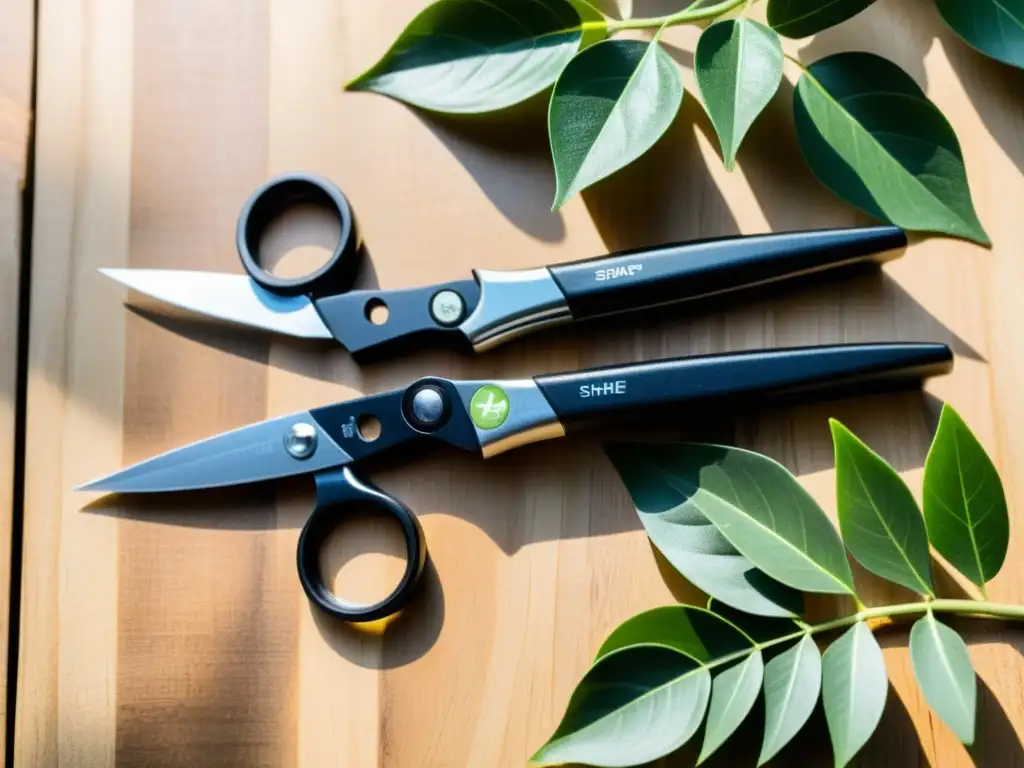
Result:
{"points": [[469, 56], [943, 670], [802, 18], [733, 694], [697, 632], [738, 65], [870, 134], [687, 539], [878, 515], [609, 106], [760, 629], [792, 682], [633, 706], [994, 27], [964, 504], [854, 688], [763, 511]]}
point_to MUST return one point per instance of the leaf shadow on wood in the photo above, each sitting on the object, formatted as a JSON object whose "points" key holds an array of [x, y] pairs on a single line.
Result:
{"points": [[506, 152], [993, 87], [996, 740]]}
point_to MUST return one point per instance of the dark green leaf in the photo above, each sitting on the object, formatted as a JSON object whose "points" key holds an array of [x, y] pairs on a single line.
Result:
{"points": [[762, 510], [994, 27], [878, 516], [964, 503], [733, 694], [854, 687], [760, 629], [695, 631], [687, 539], [609, 106], [943, 669], [476, 56], [792, 682], [738, 65], [633, 706], [870, 134], [802, 18]]}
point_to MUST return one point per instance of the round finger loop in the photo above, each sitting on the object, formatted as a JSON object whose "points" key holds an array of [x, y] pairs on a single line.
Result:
{"points": [[325, 520], [271, 200]]}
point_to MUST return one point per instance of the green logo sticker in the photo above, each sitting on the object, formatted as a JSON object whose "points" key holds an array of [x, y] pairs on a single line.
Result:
{"points": [[489, 407]]}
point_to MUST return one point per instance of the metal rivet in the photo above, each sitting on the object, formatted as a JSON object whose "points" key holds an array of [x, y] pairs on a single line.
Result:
{"points": [[428, 405], [300, 440], [447, 307]]}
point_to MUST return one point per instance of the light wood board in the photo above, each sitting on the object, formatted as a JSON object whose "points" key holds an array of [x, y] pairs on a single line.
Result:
{"points": [[16, 47], [174, 631]]}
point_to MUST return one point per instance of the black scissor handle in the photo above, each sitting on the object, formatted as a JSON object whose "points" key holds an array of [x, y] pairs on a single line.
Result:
{"points": [[339, 493], [272, 199]]}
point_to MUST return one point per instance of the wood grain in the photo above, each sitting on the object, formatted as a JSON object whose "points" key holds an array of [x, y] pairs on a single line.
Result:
{"points": [[16, 49], [174, 631]]}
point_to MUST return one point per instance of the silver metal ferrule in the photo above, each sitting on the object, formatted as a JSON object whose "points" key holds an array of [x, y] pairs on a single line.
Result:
{"points": [[512, 303], [530, 416]]}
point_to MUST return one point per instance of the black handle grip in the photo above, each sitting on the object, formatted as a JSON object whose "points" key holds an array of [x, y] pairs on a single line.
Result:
{"points": [[642, 278], [339, 493], [621, 391]]}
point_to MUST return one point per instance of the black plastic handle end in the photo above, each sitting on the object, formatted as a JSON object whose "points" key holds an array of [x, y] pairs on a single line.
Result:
{"points": [[649, 277], [741, 379]]}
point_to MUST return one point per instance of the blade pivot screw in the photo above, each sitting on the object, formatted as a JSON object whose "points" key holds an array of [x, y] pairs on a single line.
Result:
{"points": [[300, 440]]}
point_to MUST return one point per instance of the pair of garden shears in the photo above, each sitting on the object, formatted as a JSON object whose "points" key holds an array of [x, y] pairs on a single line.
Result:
{"points": [[487, 416]]}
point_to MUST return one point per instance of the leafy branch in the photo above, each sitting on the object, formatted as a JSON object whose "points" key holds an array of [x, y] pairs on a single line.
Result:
{"points": [[865, 128], [741, 527]]}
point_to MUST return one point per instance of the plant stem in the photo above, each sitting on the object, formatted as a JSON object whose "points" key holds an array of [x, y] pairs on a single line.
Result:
{"points": [[681, 17], [978, 608]]}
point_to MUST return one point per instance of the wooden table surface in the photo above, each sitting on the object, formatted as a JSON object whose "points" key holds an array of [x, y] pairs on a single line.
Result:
{"points": [[16, 48], [174, 632]]}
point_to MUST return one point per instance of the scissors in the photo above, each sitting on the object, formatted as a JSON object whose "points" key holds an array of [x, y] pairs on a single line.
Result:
{"points": [[334, 445], [491, 307]]}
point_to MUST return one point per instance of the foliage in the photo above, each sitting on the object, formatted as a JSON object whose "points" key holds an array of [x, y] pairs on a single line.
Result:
{"points": [[662, 674], [864, 126]]}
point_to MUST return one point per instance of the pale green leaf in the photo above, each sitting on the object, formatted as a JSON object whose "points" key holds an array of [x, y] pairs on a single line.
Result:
{"points": [[738, 66], [964, 503], [733, 694], [762, 510], [687, 539], [943, 670], [633, 706], [468, 56], [994, 27], [878, 515], [854, 688], [870, 134], [695, 631], [792, 682], [609, 106], [802, 18]]}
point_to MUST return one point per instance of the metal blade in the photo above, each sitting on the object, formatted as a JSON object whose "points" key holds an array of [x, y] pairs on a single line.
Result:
{"points": [[250, 454], [230, 298]]}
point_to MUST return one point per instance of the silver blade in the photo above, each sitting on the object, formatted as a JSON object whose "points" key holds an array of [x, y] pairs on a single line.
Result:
{"points": [[230, 298], [250, 454]]}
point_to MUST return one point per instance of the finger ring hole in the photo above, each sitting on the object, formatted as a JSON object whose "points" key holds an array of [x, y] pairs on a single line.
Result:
{"points": [[377, 311], [364, 557], [300, 240], [369, 427]]}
